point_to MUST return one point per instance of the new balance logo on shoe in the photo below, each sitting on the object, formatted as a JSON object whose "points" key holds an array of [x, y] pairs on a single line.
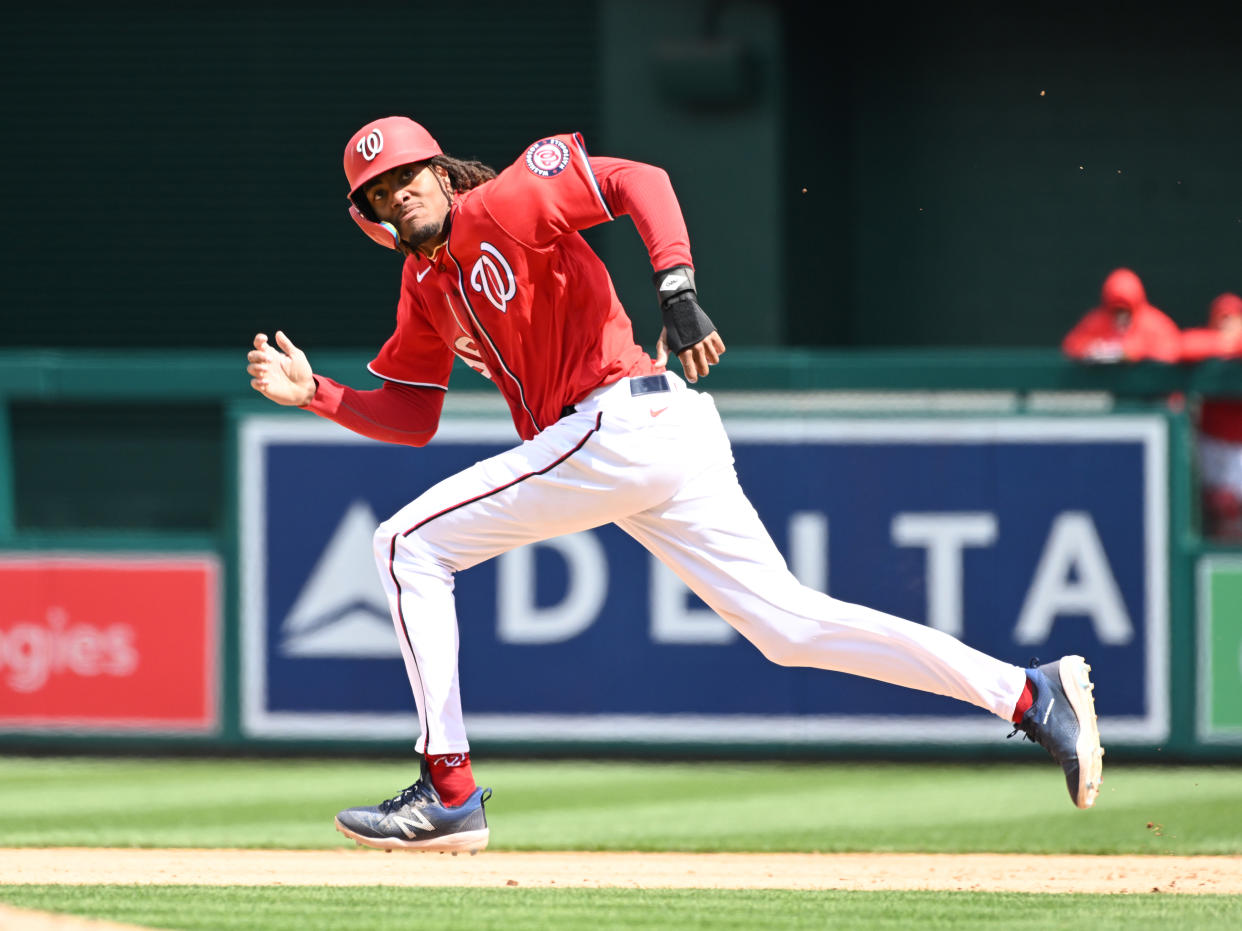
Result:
{"points": [[411, 822]]}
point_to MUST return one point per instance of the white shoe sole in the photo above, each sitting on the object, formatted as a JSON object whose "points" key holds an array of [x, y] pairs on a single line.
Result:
{"points": [[461, 842], [1079, 689]]}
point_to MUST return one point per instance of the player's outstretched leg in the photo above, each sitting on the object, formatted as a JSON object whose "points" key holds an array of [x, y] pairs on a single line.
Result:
{"points": [[1061, 719], [731, 563], [416, 819]]}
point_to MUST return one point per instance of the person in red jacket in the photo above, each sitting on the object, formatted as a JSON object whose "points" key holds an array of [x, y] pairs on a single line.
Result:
{"points": [[1221, 338], [1219, 421], [1124, 327]]}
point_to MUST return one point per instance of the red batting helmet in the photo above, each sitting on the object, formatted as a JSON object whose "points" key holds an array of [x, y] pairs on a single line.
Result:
{"points": [[378, 147]]}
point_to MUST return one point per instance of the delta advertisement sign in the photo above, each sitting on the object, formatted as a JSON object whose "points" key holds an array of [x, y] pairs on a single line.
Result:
{"points": [[108, 643], [1026, 537]]}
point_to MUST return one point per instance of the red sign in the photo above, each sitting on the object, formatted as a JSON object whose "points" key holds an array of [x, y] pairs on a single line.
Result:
{"points": [[105, 642]]}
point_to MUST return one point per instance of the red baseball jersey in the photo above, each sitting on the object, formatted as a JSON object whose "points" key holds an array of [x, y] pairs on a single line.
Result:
{"points": [[516, 292]]}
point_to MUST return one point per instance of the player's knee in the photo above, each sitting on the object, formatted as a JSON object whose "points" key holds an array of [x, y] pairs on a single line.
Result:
{"points": [[393, 542], [399, 547], [382, 543]]}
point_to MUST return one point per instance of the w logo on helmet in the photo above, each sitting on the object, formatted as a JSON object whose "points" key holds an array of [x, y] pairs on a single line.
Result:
{"points": [[492, 277], [371, 145]]}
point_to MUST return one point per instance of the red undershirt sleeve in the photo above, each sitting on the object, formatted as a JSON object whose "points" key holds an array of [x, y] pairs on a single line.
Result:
{"points": [[645, 193], [392, 413], [1199, 343]]}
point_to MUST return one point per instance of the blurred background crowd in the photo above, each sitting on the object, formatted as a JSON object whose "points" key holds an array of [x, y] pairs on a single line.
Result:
{"points": [[1125, 327]]}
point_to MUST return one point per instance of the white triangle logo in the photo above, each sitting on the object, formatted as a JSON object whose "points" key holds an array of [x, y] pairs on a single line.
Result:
{"points": [[673, 282], [342, 609]]}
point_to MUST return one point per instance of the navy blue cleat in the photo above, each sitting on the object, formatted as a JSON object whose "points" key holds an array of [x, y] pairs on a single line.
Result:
{"points": [[1062, 721], [416, 819]]}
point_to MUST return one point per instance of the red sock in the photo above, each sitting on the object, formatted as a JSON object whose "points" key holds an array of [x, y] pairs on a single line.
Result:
{"points": [[451, 776], [1025, 700]]}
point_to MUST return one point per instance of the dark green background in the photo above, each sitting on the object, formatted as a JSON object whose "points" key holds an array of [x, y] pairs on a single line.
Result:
{"points": [[174, 169], [854, 179]]}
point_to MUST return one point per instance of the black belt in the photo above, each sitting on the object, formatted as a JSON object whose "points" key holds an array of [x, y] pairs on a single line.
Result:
{"points": [[644, 384]]}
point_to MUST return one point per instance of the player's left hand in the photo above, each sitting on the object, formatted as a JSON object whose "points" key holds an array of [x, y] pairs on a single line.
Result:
{"points": [[695, 360]]}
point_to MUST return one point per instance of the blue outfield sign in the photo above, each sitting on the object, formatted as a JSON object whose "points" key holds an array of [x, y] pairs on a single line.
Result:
{"points": [[1026, 537]]}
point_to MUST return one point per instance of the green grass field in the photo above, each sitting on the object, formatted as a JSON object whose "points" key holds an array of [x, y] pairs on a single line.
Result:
{"points": [[573, 805], [256, 908], [703, 806]]}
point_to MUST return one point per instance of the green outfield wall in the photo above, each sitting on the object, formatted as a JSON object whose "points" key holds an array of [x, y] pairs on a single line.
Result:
{"points": [[132, 452], [960, 179]]}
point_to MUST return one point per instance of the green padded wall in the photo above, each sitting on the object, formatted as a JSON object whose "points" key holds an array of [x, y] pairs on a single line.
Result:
{"points": [[174, 170], [975, 170]]}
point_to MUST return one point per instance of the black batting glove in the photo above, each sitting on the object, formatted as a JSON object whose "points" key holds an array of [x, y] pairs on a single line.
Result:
{"points": [[684, 321]]}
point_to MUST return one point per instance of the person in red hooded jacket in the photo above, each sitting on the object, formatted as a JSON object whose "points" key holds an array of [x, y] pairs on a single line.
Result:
{"points": [[1124, 327], [1219, 421], [1221, 338]]}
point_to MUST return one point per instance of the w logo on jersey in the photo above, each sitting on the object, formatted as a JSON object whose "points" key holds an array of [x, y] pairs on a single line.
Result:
{"points": [[492, 277]]}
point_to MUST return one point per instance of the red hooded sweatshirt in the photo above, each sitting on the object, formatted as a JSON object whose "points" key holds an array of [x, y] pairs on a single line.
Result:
{"points": [[1124, 327], [1220, 418], [1211, 341]]}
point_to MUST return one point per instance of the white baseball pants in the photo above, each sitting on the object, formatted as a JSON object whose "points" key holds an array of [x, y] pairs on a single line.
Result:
{"points": [[660, 467]]}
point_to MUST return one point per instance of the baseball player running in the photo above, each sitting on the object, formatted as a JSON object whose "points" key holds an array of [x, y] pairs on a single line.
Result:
{"points": [[496, 272]]}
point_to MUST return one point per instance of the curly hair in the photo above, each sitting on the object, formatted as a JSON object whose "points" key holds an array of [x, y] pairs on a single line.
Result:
{"points": [[464, 174]]}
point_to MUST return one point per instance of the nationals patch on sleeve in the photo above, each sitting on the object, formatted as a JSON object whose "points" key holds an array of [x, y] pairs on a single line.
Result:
{"points": [[547, 157]]}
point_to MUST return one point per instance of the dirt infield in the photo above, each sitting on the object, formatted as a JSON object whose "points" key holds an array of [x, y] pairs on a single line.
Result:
{"points": [[24, 919], [356, 867]]}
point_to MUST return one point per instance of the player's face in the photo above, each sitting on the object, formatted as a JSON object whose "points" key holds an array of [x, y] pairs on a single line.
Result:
{"points": [[411, 198], [1230, 325]]}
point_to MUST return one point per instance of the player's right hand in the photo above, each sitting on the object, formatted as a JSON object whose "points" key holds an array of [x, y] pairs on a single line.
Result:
{"points": [[282, 375]]}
